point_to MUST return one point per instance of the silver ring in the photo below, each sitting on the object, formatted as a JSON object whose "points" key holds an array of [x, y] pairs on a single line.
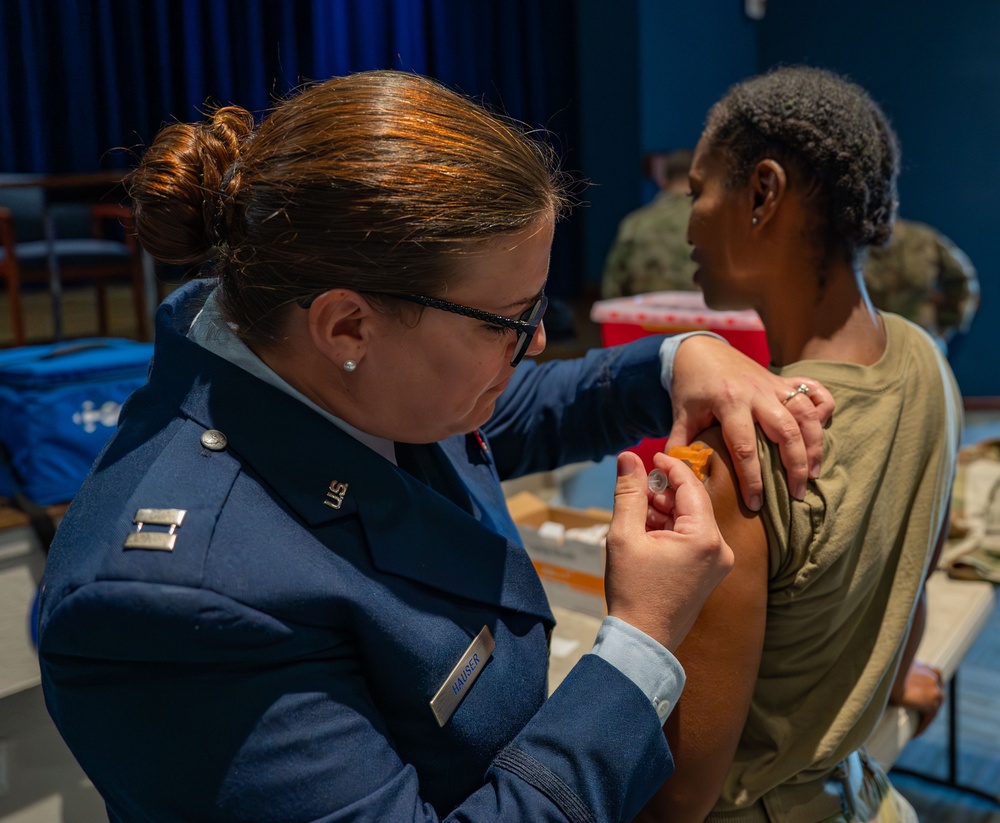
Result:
{"points": [[802, 388]]}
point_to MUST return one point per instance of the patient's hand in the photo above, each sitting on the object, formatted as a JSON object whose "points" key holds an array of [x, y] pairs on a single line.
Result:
{"points": [[714, 382]]}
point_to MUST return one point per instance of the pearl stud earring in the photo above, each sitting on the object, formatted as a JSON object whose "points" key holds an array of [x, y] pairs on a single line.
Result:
{"points": [[350, 365]]}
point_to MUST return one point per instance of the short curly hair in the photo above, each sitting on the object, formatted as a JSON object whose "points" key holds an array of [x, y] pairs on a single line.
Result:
{"points": [[831, 137]]}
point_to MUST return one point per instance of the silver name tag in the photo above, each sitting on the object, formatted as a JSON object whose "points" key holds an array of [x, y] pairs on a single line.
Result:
{"points": [[458, 683]]}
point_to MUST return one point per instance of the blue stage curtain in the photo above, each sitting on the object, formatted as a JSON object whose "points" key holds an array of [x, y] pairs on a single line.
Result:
{"points": [[86, 84]]}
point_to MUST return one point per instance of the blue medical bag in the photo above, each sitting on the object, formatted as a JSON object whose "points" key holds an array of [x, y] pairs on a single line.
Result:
{"points": [[59, 404]]}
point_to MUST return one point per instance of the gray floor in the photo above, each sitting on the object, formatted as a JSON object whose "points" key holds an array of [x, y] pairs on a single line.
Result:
{"points": [[79, 314], [978, 738]]}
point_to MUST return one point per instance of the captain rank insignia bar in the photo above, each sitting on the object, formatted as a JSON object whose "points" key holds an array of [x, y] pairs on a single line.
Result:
{"points": [[155, 540]]}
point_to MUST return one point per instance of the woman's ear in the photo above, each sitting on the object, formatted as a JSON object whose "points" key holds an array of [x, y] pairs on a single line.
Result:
{"points": [[339, 325], [768, 184]]}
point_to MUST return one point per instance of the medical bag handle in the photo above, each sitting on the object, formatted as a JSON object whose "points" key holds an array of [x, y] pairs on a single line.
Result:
{"points": [[41, 521]]}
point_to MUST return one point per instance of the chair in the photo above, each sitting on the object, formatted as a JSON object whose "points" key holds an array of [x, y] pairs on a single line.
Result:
{"points": [[90, 243]]}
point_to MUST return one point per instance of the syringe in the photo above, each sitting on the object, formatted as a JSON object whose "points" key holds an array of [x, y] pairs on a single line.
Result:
{"points": [[658, 481], [696, 456]]}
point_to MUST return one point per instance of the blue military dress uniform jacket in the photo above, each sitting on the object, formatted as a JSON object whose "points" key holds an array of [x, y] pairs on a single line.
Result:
{"points": [[277, 663]]}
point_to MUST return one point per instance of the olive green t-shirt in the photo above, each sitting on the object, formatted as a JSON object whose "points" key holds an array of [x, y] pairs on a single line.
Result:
{"points": [[846, 564]]}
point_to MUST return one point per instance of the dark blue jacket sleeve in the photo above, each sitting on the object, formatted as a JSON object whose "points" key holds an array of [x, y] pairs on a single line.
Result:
{"points": [[223, 727], [564, 411], [277, 660]]}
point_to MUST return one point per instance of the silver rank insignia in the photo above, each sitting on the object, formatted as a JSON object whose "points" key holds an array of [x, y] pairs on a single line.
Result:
{"points": [[155, 540], [458, 683]]}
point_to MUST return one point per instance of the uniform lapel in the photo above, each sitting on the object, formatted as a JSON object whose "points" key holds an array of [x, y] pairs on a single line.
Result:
{"points": [[323, 474], [428, 538]]}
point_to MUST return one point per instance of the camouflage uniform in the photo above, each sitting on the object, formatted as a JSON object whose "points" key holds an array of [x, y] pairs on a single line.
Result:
{"points": [[651, 252], [924, 277]]}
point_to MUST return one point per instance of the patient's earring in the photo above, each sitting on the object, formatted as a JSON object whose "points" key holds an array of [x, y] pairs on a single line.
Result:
{"points": [[350, 365], [753, 221]]}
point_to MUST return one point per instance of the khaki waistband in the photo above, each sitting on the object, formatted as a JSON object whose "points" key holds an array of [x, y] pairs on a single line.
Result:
{"points": [[798, 803], [752, 814]]}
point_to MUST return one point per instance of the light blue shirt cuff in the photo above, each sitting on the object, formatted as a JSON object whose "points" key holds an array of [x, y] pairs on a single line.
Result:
{"points": [[668, 351], [643, 661]]}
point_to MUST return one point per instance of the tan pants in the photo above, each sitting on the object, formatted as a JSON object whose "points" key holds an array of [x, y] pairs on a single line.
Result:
{"points": [[858, 792], [868, 794]]}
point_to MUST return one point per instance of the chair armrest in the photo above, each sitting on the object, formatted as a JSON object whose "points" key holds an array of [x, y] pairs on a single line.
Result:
{"points": [[8, 236], [102, 212], [112, 211]]}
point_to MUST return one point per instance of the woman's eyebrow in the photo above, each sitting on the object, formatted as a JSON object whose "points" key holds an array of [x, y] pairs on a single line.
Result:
{"points": [[526, 302]]}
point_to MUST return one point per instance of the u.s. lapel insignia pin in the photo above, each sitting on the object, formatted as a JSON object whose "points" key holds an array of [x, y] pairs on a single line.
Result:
{"points": [[335, 494], [461, 678]]}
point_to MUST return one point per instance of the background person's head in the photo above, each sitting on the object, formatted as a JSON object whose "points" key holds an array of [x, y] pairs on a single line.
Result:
{"points": [[669, 170], [830, 141], [379, 182]]}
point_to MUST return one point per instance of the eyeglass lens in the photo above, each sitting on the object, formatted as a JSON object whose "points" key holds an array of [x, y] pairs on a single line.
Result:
{"points": [[532, 318]]}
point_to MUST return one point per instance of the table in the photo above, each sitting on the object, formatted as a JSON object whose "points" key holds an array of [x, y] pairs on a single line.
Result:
{"points": [[957, 611]]}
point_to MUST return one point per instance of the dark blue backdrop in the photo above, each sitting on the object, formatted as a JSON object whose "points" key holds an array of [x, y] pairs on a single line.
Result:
{"points": [[80, 80], [657, 65], [80, 77], [936, 71]]}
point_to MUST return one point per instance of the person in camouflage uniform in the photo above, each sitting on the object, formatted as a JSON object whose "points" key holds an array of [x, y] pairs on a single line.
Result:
{"points": [[651, 252], [924, 277]]}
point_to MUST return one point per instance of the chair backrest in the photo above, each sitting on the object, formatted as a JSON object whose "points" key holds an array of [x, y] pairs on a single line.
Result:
{"points": [[69, 210], [72, 221], [26, 206]]}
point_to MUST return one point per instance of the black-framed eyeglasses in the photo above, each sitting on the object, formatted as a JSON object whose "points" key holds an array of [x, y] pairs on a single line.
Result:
{"points": [[526, 325]]}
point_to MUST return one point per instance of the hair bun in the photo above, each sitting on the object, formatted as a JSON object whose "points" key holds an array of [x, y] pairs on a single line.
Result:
{"points": [[183, 189]]}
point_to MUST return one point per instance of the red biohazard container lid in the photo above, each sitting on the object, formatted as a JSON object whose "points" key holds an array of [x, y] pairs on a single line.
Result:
{"points": [[672, 311]]}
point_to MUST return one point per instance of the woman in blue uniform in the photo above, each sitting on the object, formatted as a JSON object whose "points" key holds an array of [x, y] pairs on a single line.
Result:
{"points": [[290, 589]]}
